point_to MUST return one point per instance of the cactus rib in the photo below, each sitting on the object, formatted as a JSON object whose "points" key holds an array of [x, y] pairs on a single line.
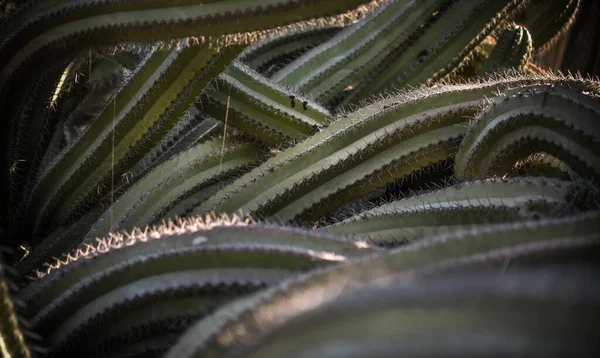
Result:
{"points": [[221, 331], [454, 208], [504, 132]]}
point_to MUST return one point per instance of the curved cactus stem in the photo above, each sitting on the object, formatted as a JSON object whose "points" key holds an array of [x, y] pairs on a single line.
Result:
{"points": [[70, 26], [352, 148], [440, 317], [141, 114], [456, 208], [249, 100], [556, 120], [168, 184], [188, 245], [512, 51], [543, 165], [12, 341], [159, 300], [222, 331], [266, 55], [421, 50], [548, 21]]}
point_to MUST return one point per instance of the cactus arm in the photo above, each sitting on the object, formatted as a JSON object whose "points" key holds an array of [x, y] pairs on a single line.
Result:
{"points": [[513, 50], [290, 174], [12, 341], [454, 208], [532, 114], [252, 101], [171, 182], [76, 29], [169, 86], [220, 332], [444, 54]]}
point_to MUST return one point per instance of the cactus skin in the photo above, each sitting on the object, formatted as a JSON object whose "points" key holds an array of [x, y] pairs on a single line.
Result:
{"points": [[269, 55], [170, 81], [77, 25], [530, 120], [255, 105], [398, 319], [455, 208], [220, 332], [303, 175], [548, 21], [12, 340], [211, 245], [405, 52], [512, 51]]}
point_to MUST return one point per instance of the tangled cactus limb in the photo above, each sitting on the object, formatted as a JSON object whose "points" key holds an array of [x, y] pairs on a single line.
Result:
{"points": [[209, 178], [530, 120]]}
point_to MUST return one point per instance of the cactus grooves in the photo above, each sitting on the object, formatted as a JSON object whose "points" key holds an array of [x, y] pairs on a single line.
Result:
{"points": [[209, 178], [181, 265]]}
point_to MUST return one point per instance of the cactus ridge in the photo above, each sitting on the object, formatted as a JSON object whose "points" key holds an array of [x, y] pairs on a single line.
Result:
{"points": [[216, 333], [118, 254], [392, 117], [266, 53], [172, 181], [427, 60], [513, 50], [13, 339], [465, 204], [403, 309], [106, 25], [152, 292], [358, 47], [192, 129], [188, 70], [528, 115], [437, 126]]}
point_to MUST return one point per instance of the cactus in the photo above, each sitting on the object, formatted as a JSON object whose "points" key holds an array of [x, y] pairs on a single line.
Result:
{"points": [[531, 120], [12, 340], [512, 50], [253, 316], [467, 204], [211, 178]]}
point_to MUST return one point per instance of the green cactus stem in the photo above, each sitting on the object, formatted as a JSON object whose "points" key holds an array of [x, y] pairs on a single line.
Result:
{"points": [[512, 51], [455, 208], [250, 317], [12, 341], [360, 153], [559, 121]]}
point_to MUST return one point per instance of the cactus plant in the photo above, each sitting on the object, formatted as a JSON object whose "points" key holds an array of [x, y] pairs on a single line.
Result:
{"points": [[217, 178]]}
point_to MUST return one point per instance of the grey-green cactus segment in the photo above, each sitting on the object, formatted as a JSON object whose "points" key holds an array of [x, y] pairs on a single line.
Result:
{"points": [[512, 51], [171, 182], [360, 151], [549, 21], [11, 336], [401, 319], [179, 245], [562, 122], [405, 43], [246, 99], [457, 207], [220, 332], [268, 55], [70, 26], [169, 82]]}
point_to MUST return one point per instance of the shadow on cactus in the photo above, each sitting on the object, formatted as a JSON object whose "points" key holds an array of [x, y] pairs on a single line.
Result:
{"points": [[298, 178]]}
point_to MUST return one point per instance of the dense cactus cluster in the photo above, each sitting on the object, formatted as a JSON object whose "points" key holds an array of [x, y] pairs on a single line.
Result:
{"points": [[268, 178]]}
